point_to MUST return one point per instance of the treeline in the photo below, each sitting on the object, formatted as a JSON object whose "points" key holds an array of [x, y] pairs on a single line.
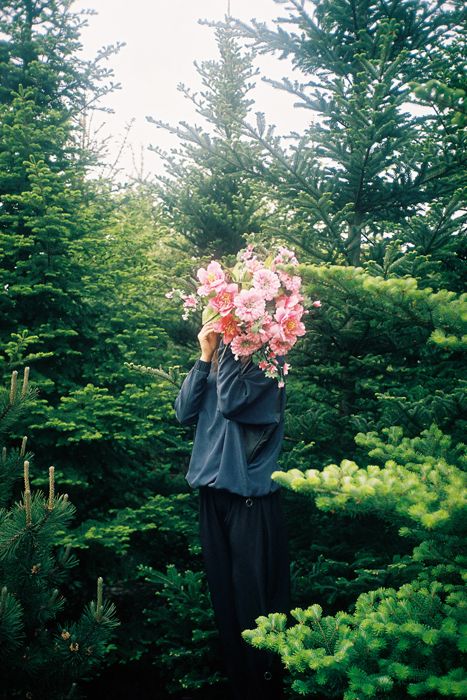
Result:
{"points": [[100, 567]]}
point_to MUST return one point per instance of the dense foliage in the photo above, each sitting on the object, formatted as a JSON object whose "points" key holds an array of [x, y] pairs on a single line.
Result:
{"points": [[371, 196], [42, 653]]}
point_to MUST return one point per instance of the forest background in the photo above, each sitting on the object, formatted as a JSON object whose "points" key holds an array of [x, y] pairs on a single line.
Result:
{"points": [[372, 198]]}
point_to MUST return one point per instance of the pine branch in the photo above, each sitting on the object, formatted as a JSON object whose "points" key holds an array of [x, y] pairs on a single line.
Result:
{"points": [[172, 376]]}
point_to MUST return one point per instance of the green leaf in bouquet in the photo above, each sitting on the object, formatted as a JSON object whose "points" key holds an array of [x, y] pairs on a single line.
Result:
{"points": [[209, 314]]}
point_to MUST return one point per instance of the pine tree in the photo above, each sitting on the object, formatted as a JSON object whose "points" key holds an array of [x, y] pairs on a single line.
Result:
{"points": [[211, 202], [44, 213], [71, 252], [365, 165], [42, 654], [397, 642]]}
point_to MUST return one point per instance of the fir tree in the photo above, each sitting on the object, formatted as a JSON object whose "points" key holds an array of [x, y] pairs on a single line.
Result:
{"points": [[365, 165], [45, 88], [42, 654], [397, 642], [211, 202]]}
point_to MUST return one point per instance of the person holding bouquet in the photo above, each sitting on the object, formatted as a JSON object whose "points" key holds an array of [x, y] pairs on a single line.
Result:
{"points": [[239, 412], [235, 393]]}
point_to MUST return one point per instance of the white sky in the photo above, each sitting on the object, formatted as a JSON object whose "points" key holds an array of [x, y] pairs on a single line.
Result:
{"points": [[163, 38]]}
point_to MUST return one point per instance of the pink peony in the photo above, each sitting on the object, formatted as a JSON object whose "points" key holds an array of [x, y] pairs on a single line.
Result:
{"points": [[281, 347], [253, 264], [245, 344], [290, 321], [224, 301], [288, 301], [228, 326], [289, 282], [212, 279], [266, 282], [288, 324], [250, 305]]}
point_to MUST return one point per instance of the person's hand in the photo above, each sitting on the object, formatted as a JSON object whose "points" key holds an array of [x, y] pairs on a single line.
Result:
{"points": [[208, 341]]}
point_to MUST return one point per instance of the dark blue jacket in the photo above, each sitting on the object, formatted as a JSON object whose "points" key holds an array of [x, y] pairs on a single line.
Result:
{"points": [[224, 403]]}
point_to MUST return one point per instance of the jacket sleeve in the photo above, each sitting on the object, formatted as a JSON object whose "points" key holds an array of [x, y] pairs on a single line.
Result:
{"points": [[244, 393], [188, 401]]}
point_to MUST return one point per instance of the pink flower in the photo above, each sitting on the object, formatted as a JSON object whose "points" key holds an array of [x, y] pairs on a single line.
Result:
{"points": [[262, 327], [253, 264], [291, 283], [266, 282], [271, 370], [169, 295], [287, 327], [224, 301], [245, 344], [247, 253], [228, 326], [250, 305], [288, 301], [189, 301], [289, 321], [286, 256], [212, 279], [281, 347], [316, 303], [286, 368]]}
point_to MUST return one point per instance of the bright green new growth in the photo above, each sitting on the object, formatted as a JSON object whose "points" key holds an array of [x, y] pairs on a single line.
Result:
{"points": [[398, 642], [40, 652]]}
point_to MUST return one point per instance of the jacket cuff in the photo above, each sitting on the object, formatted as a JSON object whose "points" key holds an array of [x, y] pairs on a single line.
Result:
{"points": [[203, 366]]}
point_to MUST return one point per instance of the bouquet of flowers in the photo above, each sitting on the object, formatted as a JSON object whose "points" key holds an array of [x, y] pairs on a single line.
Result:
{"points": [[256, 305]]}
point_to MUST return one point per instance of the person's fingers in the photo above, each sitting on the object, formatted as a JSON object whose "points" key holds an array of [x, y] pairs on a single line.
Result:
{"points": [[205, 331], [207, 328]]}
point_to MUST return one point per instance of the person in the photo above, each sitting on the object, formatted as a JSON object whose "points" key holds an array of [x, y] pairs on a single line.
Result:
{"points": [[239, 416]]}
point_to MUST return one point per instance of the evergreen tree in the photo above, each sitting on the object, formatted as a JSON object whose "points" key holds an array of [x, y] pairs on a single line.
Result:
{"points": [[365, 165], [41, 653], [43, 194], [76, 260], [210, 202], [407, 641]]}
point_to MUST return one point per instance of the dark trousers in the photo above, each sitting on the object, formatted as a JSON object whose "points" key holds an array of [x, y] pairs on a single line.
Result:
{"points": [[244, 544]]}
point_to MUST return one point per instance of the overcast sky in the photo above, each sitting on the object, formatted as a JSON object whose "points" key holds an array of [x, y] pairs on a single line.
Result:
{"points": [[163, 38]]}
